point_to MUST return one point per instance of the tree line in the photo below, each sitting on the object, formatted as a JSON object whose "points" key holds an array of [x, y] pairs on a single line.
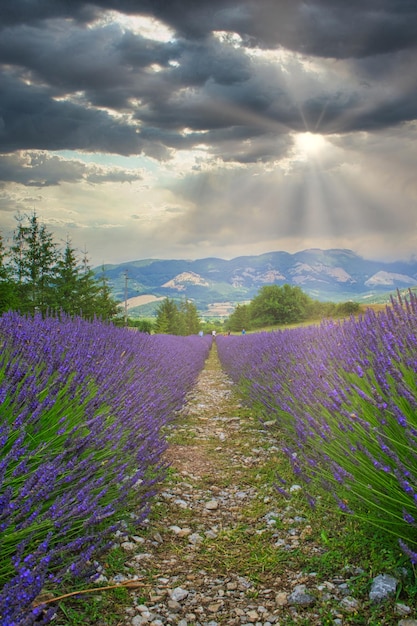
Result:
{"points": [[37, 276], [177, 319], [285, 304], [273, 305]]}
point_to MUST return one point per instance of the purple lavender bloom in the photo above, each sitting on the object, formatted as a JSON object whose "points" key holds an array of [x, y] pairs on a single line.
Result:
{"points": [[344, 396], [411, 554], [408, 518], [83, 411]]}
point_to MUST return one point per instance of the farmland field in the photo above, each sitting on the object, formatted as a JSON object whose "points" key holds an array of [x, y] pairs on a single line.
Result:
{"points": [[90, 434]]}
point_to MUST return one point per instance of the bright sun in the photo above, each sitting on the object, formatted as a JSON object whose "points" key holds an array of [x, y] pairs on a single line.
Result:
{"points": [[309, 144]]}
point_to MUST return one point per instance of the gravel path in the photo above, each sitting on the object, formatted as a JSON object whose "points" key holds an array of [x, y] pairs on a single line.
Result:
{"points": [[223, 546]]}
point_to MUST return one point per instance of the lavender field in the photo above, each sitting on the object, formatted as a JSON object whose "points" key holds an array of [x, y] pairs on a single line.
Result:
{"points": [[82, 408], [84, 404], [342, 400]]}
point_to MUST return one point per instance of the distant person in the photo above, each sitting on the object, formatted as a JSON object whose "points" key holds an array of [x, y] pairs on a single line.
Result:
{"points": [[213, 332], [243, 331], [200, 333]]}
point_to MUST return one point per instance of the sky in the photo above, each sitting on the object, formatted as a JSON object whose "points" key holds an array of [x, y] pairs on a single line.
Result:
{"points": [[185, 129]]}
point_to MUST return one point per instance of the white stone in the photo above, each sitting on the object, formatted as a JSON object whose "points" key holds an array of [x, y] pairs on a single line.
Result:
{"points": [[178, 594], [350, 604], [181, 503], [138, 620], [212, 505], [382, 587], [402, 609]]}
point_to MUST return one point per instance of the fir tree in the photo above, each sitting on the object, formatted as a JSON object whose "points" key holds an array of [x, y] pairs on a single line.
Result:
{"points": [[106, 307], [8, 294], [67, 284], [88, 289], [189, 318], [167, 318], [34, 257]]}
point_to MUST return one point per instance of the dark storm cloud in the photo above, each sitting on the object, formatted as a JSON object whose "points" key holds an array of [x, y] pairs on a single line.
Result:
{"points": [[59, 75], [30, 117], [103, 62], [41, 170], [14, 12], [331, 28]]}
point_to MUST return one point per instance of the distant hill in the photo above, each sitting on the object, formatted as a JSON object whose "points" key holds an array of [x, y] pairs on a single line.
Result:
{"points": [[218, 285]]}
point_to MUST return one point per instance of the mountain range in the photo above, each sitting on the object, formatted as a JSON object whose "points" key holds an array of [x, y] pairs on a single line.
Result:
{"points": [[217, 285]]}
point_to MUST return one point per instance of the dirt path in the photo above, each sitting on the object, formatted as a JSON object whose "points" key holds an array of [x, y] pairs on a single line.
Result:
{"points": [[223, 546], [219, 547]]}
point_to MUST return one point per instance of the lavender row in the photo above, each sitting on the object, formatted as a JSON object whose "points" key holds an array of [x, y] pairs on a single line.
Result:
{"points": [[82, 408], [342, 398]]}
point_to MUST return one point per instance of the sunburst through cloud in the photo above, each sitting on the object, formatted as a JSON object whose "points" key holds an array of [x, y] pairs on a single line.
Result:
{"points": [[177, 131]]}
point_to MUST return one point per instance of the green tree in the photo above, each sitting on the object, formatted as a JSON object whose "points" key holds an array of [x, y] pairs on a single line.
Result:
{"points": [[105, 306], [189, 320], [38, 277], [34, 256], [239, 319], [88, 289], [143, 325], [67, 282], [279, 305], [16, 250], [167, 317], [348, 308], [8, 293]]}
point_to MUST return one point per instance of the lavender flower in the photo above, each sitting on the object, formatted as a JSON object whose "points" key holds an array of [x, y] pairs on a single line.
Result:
{"points": [[83, 410], [344, 396]]}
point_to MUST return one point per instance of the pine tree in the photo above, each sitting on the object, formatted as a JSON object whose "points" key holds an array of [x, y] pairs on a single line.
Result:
{"points": [[240, 318], [34, 257], [41, 278], [8, 295], [106, 307], [167, 318], [88, 289], [161, 323], [189, 319], [16, 250], [67, 282]]}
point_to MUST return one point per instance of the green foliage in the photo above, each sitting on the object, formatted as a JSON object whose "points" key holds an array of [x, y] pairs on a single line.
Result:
{"points": [[104, 305], [347, 308], [36, 276], [172, 319], [275, 305], [279, 305], [189, 317], [143, 325], [167, 318], [34, 257], [67, 281], [239, 319], [8, 291]]}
